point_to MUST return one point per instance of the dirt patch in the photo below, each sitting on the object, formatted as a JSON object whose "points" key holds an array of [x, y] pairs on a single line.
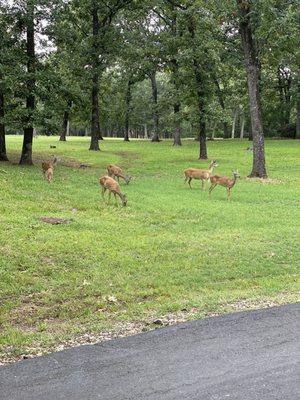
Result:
{"points": [[265, 181], [127, 155], [55, 221], [39, 158]]}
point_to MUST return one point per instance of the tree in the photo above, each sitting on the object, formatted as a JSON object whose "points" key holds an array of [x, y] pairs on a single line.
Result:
{"points": [[128, 109], [3, 156], [26, 155], [199, 81], [253, 76]]}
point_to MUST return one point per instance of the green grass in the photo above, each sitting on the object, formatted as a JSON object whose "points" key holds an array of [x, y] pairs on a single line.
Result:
{"points": [[170, 248]]}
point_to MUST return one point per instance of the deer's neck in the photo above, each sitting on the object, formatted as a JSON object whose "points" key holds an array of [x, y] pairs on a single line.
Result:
{"points": [[233, 181], [211, 169]]}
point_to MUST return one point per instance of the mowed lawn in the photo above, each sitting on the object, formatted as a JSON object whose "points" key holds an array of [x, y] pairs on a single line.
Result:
{"points": [[170, 249]]}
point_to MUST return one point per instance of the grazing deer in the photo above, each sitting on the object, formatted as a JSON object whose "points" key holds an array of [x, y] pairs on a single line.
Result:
{"points": [[224, 181], [48, 169], [202, 174], [108, 183], [116, 172]]}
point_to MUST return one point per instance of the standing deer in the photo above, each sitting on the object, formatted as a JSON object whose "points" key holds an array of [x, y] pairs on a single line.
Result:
{"points": [[108, 183], [48, 169], [202, 174], [224, 181], [115, 171]]}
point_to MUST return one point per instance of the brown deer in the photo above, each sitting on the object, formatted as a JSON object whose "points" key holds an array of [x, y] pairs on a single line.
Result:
{"points": [[116, 172], [202, 174], [224, 181], [108, 183], [48, 169]]}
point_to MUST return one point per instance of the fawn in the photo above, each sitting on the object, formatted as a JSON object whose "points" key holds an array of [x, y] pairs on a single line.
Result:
{"points": [[48, 169], [202, 174], [115, 171], [108, 183], [224, 181]]}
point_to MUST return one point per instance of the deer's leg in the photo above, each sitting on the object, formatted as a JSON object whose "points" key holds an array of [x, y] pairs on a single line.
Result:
{"points": [[202, 185], [211, 188], [115, 194], [109, 196], [103, 191], [189, 182], [228, 194]]}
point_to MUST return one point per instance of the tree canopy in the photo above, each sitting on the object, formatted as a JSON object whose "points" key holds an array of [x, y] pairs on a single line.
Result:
{"points": [[149, 69]]}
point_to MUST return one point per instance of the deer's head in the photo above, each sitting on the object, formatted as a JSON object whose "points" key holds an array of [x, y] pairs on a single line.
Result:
{"points": [[124, 200], [236, 174]]}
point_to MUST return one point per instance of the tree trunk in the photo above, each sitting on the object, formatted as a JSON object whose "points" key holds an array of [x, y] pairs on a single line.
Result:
{"points": [[225, 130], [200, 92], [235, 115], [26, 155], [95, 125], [201, 112], [176, 106], [128, 110], [152, 77], [66, 122], [253, 75], [298, 108], [242, 127], [177, 130], [3, 156]]}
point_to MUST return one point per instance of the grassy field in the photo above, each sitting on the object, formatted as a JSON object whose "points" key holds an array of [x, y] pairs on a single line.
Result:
{"points": [[170, 249]]}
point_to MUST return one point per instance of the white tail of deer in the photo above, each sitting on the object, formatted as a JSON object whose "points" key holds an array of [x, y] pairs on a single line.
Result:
{"points": [[116, 172], [48, 169], [108, 183], [201, 174], [224, 181]]}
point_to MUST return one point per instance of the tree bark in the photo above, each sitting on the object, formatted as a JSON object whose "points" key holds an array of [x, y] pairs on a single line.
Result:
{"points": [[298, 118], [253, 76], [200, 92], [177, 130], [3, 155], [128, 110], [66, 122], [176, 105], [95, 125], [26, 155], [235, 115], [201, 111], [152, 77], [242, 127]]}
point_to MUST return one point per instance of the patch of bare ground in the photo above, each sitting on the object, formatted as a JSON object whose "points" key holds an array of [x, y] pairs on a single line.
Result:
{"points": [[120, 330], [127, 155], [39, 158], [265, 181]]}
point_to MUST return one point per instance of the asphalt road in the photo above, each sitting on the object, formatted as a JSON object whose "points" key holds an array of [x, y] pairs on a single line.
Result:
{"points": [[246, 356]]}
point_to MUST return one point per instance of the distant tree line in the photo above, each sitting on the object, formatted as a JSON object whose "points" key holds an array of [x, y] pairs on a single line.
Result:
{"points": [[150, 69]]}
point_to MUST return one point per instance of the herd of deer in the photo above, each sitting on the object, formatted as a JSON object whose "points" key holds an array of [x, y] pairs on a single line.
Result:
{"points": [[109, 182]]}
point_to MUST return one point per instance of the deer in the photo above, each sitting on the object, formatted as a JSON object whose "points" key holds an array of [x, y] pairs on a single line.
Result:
{"points": [[48, 169], [224, 181], [202, 174], [110, 184], [116, 172]]}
